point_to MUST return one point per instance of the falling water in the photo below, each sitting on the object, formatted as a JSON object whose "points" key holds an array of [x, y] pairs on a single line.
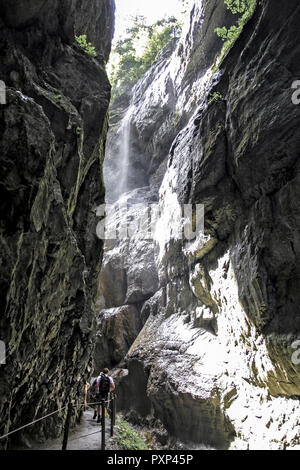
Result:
{"points": [[124, 137]]}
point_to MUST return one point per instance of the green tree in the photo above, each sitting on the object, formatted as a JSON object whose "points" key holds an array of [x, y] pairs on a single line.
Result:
{"points": [[244, 8], [86, 46], [131, 65]]}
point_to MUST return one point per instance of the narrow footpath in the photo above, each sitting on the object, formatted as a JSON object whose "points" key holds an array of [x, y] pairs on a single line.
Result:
{"points": [[85, 436]]}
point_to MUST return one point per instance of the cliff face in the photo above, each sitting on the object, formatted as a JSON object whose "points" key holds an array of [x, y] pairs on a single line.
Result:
{"points": [[160, 104], [52, 136], [213, 360], [163, 100]]}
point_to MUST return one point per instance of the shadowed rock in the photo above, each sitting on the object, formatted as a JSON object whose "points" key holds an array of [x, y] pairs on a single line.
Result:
{"points": [[52, 136]]}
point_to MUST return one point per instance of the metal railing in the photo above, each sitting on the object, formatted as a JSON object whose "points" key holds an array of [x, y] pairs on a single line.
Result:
{"points": [[109, 405]]}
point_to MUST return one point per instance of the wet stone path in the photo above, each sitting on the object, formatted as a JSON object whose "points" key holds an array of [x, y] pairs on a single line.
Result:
{"points": [[85, 436]]}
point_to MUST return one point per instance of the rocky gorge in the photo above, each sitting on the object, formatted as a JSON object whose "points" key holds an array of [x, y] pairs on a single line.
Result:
{"points": [[53, 128], [201, 334]]}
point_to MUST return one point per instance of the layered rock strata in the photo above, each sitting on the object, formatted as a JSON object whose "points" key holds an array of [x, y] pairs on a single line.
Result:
{"points": [[52, 136], [214, 360]]}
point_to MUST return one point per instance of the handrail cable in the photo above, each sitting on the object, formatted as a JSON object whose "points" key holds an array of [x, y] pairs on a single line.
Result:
{"points": [[33, 422], [51, 414]]}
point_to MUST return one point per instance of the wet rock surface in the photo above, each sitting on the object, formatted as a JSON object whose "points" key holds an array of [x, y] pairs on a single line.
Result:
{"points": [[117, 330], [164, 99], [128, 280], [52, 135], [214, 358]]}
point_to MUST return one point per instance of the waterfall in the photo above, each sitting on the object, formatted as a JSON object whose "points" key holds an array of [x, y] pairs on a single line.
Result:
{"points": [[124, 150]]}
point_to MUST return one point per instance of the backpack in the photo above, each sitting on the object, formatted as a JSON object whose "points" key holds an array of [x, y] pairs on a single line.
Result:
{"points": [[104, 384]]}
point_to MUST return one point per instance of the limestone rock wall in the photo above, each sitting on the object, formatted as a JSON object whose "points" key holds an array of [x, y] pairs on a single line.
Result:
{"points": [[213, 361], [164, 99], [52, 137], [128, 279], [160, 104]]}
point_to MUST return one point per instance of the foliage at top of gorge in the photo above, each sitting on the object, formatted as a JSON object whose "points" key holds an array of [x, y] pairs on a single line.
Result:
{"points": [[134, 54], [245, 9]]}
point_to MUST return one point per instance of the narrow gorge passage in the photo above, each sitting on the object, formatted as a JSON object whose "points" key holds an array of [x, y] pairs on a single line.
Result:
{"points": [[201, 333], [150, 221]]}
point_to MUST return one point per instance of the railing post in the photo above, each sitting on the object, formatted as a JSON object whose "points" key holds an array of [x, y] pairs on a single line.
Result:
{"points": [[115, 408], [67, 426], [103, 425], [112, 399]]}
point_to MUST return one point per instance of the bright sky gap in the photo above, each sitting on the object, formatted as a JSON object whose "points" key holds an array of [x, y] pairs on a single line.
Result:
{"points": [[153, 10]]}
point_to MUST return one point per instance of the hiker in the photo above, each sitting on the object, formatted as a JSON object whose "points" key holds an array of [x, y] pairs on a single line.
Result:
{"points": [[92, 397], [104, 385]]}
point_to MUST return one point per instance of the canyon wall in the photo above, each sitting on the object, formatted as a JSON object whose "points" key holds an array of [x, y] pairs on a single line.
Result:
{"points": [[214, 319], [53, 130], [158, 107]]}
